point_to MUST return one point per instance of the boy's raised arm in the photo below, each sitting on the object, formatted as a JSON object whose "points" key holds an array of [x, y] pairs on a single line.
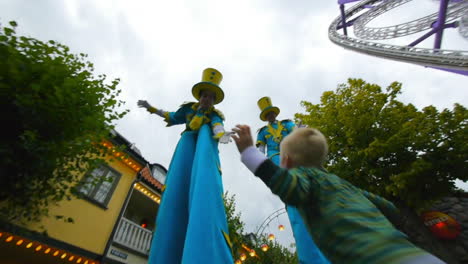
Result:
{"points": [[386, 207], [289, 185]]}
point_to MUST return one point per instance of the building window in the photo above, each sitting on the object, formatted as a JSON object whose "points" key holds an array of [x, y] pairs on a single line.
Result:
{"points": [[99, 186], [159, 174]]}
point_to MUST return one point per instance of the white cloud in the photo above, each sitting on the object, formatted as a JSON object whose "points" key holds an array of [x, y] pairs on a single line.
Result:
{"points": [[263, 48]]}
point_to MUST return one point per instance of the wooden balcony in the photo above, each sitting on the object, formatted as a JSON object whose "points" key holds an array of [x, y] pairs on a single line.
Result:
{"points": [[133, 236]]}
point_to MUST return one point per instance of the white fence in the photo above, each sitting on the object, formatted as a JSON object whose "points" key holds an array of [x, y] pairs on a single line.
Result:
{"points": [[133, 236]]}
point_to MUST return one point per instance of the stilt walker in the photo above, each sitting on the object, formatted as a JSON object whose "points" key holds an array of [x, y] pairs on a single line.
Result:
{"points": [[270, 137], [191, 226]]}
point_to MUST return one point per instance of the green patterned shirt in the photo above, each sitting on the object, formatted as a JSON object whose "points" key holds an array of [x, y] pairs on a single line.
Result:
{"points": [[347, 223]]}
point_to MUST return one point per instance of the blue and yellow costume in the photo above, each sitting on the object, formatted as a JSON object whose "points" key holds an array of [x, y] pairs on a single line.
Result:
{"points": [[191, 225], [271, 136]]}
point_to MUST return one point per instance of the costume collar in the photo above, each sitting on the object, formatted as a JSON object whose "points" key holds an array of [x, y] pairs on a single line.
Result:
{"points": [[276, 133], [274, 122]]}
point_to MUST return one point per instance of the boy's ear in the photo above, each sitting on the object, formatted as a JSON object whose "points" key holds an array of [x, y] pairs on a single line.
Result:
{"points": [[283, 161], [286, 162], [289, 162]]}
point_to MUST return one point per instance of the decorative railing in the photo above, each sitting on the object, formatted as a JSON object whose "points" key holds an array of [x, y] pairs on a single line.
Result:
{"points": [[133, 236]]}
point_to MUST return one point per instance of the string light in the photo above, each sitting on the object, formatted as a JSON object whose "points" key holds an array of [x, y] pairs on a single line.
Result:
{"points": [[129, 162], [147, 192], [39, 247]]}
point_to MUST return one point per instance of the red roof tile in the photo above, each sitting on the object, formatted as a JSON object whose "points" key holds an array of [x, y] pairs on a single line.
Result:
{"points": [[146, 174]]}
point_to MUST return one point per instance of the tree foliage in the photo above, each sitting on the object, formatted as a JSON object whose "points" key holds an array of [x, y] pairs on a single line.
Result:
{"points": [[242, 242], [56, 112], [388, 147]]}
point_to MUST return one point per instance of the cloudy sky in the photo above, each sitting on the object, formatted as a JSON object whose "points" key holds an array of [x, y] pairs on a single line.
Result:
{"points": [[263, 48]]}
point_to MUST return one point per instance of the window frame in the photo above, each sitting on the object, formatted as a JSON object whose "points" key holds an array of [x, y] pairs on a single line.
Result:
{"points": [[161, 171], [91, 196]]}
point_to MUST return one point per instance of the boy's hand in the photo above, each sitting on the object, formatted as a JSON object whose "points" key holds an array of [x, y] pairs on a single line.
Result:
{"points": [[243, 138]]}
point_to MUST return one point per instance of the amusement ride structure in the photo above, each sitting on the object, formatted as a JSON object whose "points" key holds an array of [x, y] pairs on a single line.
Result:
{"points": [[266, 223], [451, 14]]}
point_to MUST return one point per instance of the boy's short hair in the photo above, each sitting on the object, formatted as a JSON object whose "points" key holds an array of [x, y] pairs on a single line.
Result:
{"points": [[306, 147]]}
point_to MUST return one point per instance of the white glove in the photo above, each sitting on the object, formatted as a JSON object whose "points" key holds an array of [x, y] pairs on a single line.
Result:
{"points": [[261, 148], [299, 125], [143, 103], [226, 138]]}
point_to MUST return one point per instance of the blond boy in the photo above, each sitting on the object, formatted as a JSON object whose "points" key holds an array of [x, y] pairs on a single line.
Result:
{"points": [[347, 223]]}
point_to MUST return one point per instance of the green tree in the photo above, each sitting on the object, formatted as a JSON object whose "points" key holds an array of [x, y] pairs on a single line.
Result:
{"points": [[56, 114], [276, 253], [242, 242], [390, 148], [235, 224]]}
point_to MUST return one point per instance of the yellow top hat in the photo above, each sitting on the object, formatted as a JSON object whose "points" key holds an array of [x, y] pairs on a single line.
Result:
{"points": [[211, 79], [266, 107]]}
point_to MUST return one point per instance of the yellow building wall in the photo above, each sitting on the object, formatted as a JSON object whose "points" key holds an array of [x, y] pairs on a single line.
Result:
{"points": [[92, 225]]}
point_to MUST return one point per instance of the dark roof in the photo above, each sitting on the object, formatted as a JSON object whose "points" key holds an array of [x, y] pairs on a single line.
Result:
{"points": [[145, 173], [117, 138]]}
